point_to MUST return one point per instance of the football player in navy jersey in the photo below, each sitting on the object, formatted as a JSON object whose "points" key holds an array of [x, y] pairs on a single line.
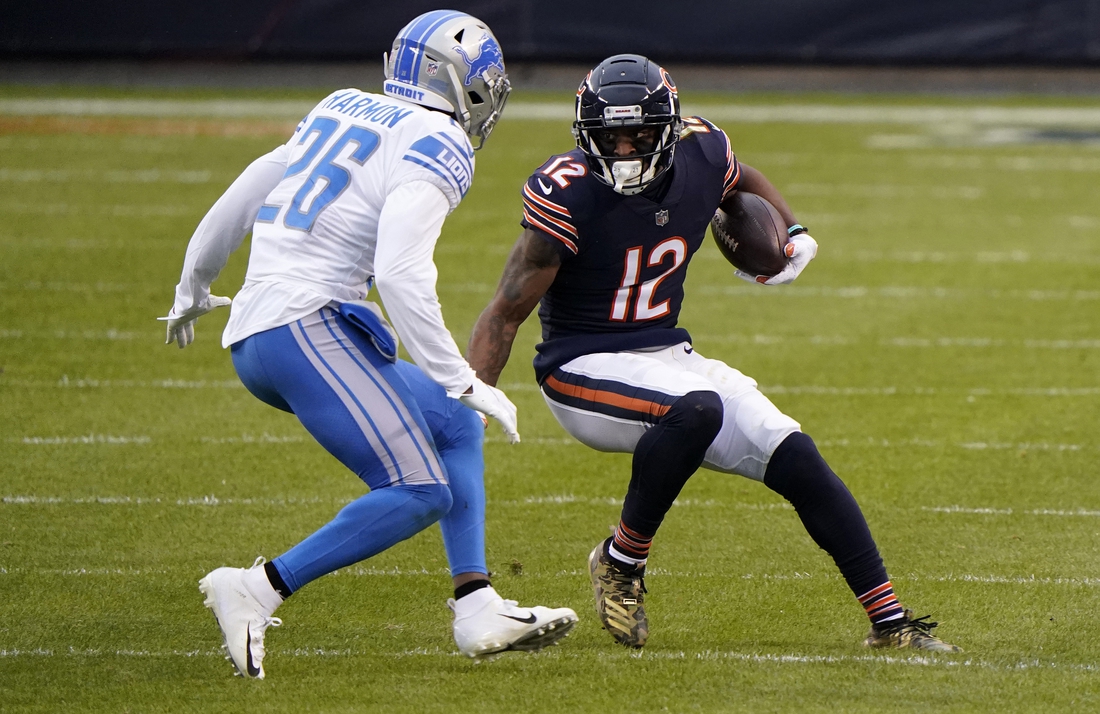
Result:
{"points": [[609, 230]]}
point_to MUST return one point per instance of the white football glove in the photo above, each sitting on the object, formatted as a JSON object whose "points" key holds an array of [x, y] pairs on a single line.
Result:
{"points": [[181, 328], [800, 251], [492, 402]]}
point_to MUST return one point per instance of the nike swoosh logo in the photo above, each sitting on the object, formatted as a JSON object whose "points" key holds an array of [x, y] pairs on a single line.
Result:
{"points": [[530, 619], [545, 189], [689, 349], [253, 671]]}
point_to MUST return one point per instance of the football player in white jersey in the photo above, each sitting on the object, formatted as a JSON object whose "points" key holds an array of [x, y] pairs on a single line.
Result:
{"points": [[357, 198]]}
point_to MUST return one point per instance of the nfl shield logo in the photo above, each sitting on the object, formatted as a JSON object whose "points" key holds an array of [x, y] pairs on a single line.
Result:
{"points": [[662, 216], [433, 69]]}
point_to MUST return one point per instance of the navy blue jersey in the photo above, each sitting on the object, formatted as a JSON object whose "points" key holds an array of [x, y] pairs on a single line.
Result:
{"points": [[623, 258]]}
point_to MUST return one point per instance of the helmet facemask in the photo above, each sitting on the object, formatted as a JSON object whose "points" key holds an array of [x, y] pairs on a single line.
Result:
{"points": [[481, 111]]}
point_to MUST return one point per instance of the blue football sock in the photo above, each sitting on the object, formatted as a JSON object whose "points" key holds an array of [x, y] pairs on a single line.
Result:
{"points": [[363, 528], [464, 525]]}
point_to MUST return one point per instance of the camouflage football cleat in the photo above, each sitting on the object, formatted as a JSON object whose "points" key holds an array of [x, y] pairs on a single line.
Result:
{"points": [[909, 632], [620, 598]]}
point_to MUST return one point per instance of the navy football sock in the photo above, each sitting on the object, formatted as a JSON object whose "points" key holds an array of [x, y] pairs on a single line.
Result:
{"points": [[828, 511], [664, 459], [471, 587], [276, 580]]}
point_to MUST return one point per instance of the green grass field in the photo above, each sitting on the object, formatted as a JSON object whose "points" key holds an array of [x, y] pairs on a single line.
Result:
{"points": [[943, 350]]}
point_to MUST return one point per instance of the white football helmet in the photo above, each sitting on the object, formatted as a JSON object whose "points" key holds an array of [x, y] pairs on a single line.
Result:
{"points": [[450, 61]]}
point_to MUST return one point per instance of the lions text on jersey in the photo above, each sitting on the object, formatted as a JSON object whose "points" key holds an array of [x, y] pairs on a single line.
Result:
{"points": [[624, 258]]}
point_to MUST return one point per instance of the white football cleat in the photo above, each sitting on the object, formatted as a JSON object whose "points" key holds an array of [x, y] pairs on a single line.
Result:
{"points": [[486, 624], [240, 616]]}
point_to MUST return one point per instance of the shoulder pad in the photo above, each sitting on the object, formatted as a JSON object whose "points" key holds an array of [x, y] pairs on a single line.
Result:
{"points": [[697, 125], [555, 195], [441, 158], [715, 147], [712, 140]]}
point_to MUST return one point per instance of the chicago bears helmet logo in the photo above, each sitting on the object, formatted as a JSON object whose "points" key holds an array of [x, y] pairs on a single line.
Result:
{"points": [[488, 55]]}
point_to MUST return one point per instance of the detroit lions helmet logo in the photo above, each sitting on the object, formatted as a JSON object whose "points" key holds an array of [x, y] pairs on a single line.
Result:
{"points": [[488, 55]]}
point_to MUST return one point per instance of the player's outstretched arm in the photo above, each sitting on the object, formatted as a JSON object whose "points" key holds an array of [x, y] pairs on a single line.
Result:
{"points": [[405, 275], [528, 274], [219, 234]]}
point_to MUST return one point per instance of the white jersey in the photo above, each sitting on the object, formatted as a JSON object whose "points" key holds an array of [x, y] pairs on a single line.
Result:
{"points": [[358, 194]]}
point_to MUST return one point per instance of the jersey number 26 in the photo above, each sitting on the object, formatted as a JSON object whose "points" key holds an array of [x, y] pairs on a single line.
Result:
{"points": [[328, 179]]}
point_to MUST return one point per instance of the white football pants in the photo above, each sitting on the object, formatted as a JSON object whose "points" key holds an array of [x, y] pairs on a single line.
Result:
{"points": [[608, 400]]}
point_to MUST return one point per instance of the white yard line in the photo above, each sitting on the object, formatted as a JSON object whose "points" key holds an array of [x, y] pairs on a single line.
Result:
{"points": [[563, 111], [83, 440], [974, 162], [116, 210], [261, 439], [845, 292], [97, 176], [872, 442], [913, 661], [898, 292], [1003, 580], [108, 439], [212, 501], [90, 383], [359, 571], [869, 114], [907, 342], [885, 190], [72, 334], [62, 286], [868, 442], [189, 501], [699, 337], [890, 391], [763, 658], [991, 511], [1019, 257], [159, 108]]}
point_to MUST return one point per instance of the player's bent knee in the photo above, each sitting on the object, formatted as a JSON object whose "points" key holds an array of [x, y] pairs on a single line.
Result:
{"points": [[440, 501], [699, 414], [432, 501]]}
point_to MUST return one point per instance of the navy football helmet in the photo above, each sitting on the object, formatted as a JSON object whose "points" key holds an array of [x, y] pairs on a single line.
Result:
{"points": [[628, 96]]}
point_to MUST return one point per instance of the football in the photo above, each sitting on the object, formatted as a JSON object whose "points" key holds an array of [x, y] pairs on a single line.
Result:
{"points": [[751, 234]]}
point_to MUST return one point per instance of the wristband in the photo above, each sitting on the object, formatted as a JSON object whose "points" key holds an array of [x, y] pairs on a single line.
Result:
{"points": [[796, 229]]}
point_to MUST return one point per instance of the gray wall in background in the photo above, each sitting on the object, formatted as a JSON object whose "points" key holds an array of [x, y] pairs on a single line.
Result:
{"points": [[736, 31]]}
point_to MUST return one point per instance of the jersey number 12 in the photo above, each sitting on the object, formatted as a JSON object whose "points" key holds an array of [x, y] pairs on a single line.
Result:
{"points": [[644, 309]]}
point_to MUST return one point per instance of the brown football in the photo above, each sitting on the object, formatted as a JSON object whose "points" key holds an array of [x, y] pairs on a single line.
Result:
{"points": [[751, 234]]}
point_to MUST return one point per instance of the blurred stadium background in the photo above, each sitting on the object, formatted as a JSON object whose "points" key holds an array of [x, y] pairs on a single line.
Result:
{"points": [[943, 349], [784, 44]]}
